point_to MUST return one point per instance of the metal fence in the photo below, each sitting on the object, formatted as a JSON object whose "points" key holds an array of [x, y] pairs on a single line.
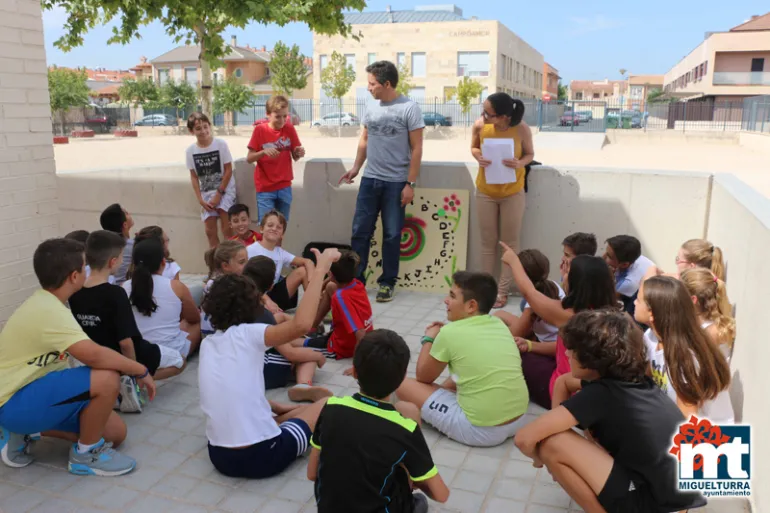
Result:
{"points": [[756, 114], [752, 114]]}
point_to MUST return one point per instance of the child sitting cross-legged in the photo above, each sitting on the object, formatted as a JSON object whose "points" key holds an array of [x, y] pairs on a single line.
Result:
{"points": [[366, 449], [40, 394], [345, 296], [239, 225], [245, 440], [164, 309], [104, 312], [285, 361], [627, 468], [284, 291], [484, 406]]}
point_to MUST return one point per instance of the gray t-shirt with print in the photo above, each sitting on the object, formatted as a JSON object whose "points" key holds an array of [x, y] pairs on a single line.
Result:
{"points": [[388, 151]]}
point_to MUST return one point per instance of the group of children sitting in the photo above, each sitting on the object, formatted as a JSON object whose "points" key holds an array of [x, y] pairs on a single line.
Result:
{"points": [[615, 333]]}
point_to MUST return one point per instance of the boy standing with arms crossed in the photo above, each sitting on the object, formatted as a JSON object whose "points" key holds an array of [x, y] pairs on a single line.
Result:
{"points": [[40, 394], [211, 173]]}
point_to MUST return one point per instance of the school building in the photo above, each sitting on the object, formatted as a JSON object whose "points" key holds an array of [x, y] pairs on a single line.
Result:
{"points": [[440, 46]]}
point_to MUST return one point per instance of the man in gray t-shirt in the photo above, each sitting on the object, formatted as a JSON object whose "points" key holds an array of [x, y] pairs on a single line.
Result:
{"points": [[391, 145]]}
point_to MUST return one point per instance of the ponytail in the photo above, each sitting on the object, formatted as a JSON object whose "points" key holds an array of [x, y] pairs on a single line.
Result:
{"points": [[697, 369], [712, 301], [504, 105], [702, 253], [717, 263], [147, 259]]}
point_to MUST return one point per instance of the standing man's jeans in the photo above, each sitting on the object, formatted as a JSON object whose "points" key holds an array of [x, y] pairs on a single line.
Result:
{"points": [[279, 200], [375, 196]]}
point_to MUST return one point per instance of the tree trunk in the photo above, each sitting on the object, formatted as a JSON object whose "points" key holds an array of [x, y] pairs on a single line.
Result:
{"points": [[206, 77]]}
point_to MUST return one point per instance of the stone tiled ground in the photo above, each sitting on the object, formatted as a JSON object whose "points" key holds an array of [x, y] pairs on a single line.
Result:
{"points": [[174, 474]]}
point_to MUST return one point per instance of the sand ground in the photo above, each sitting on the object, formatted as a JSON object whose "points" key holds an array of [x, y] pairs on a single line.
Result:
{"points": [[106, 152]]}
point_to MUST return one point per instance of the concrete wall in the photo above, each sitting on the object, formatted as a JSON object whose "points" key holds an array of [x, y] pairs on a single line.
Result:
{"points": [[759, 142], [28, 207], [739, 223], [604, 201]]}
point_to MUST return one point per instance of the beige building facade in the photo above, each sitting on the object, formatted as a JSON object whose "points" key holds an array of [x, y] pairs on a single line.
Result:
{"points": [[29, 210], [440, 47], [726, 66]]}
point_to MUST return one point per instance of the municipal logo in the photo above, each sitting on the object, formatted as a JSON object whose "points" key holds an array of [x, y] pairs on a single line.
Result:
{"points": [[714, 460]]}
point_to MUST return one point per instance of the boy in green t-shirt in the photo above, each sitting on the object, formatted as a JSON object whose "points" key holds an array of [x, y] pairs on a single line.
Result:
{"points": [[489, 396]]}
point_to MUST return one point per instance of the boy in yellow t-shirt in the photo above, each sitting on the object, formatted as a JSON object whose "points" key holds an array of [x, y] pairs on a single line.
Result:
{"points": [[483, 407], [40, 394]]}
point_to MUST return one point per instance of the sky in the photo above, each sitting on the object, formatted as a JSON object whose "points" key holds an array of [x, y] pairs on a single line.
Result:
{"points": [[584, 40]]}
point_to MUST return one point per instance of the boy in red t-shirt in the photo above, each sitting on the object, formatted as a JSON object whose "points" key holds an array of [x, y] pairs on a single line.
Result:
{"points": [[351, 310], [240, 220], [273, 146]]}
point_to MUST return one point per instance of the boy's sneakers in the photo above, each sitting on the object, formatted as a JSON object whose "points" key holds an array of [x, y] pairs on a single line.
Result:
{"points": [[130, 401], [305, 393], [101, 460], [385, 294], [14, 448]]}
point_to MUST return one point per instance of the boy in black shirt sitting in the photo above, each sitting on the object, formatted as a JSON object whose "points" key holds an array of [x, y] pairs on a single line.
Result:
{"points": [[633, 423], [104, 312], [365, 449]]}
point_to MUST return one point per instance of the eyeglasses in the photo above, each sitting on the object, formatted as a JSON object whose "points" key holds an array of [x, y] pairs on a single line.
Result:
{"points": [[487, 115]]}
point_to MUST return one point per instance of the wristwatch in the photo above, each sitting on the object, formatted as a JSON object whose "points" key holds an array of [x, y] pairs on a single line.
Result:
{"points": [[413, 185]]}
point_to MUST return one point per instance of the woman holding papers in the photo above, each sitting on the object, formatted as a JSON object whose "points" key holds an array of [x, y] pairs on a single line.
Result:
{"points": [[502, 144]]}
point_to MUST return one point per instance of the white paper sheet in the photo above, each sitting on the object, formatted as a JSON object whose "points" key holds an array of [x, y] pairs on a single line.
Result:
{"points": [[497, 150]]}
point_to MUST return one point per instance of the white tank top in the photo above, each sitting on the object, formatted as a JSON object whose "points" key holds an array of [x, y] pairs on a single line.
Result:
{"points": [[162, 327]]}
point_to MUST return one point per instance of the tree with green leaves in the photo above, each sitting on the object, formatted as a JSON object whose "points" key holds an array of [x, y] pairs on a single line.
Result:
{"points": [[201, 22], [337, 77], [139, 92], [657, 96], [178, 96], [288, 72], [562, 94], [67, 89], [231, 96], [468, 91], [405, 84]]}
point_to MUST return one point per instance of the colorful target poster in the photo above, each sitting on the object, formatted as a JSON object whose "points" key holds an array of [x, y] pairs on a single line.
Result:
{"points": [[434, 241]]}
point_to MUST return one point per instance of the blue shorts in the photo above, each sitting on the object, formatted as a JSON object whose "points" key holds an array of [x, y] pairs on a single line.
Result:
{"points": [[50, 403], [321, 344], [279, 200], [267, 458]]}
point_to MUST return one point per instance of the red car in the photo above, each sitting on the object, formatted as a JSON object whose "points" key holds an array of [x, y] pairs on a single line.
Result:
{"points": [[569, 119]]}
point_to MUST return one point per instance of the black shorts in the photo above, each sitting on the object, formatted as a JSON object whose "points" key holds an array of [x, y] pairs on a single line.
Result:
{"points": [[280, 296], [266, 458], [148, 354], [277, 375], [622, 494]]}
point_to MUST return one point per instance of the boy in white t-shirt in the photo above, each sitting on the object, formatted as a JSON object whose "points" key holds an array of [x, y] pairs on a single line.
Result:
{"points": [[245, 440], [623, 255], [211, 173], [284, 291]]}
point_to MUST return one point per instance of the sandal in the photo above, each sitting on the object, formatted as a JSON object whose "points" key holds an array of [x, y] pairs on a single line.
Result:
{"points": [[502, 301]]}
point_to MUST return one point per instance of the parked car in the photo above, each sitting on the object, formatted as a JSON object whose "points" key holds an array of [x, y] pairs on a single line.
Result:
{"points": [[626, 119], [584, 116], [337, 119], [157, 120], [569, 119], [436, 119]]}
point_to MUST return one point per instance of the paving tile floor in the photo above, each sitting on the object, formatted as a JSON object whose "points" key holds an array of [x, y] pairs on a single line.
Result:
{"points": [[174, 474]]}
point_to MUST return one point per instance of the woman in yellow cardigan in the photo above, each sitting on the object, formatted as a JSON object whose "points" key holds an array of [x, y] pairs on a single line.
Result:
{"points": [[500, 207]]}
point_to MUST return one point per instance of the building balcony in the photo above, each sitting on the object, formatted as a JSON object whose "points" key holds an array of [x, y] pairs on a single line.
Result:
{"points": [[741, 78]]}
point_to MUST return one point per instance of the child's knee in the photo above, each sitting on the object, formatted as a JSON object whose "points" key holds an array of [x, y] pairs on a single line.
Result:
{"points": [[301, 272], [550, 448], [408, 410], [105, 382]]}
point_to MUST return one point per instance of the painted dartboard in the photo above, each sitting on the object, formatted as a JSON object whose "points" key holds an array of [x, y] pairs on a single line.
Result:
{"points": [[433, 241]]}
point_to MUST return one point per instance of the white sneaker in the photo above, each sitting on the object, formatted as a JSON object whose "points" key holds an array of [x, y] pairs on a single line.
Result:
{"points": [[129, 395]]}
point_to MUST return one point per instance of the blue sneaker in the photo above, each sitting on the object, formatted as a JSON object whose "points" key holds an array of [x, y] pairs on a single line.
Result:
{"points": [[14, 449], [101, 460]]}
